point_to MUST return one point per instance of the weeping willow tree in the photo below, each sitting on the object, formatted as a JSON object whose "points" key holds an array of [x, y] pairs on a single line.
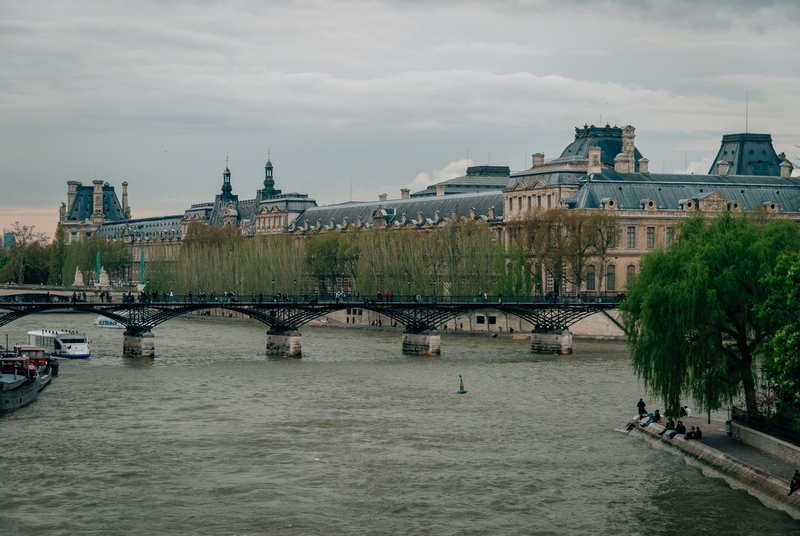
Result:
{"points": [[691, 313], [227, 262]]}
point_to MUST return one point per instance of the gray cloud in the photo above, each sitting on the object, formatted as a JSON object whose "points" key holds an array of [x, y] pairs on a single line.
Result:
{"points": [[157, 93]]}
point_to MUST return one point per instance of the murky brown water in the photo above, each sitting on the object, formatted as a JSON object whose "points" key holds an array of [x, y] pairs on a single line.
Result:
{"points": [[212, 437]]}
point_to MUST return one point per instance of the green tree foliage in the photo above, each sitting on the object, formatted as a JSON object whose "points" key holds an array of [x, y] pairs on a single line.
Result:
{"points": [[58, 252], [28, 259], [781, 363], [224, 262], [690, 314], [115, 257], [562, 242]]}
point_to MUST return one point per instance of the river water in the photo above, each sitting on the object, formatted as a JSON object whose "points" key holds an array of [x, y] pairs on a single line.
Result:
{"points": [[212, 437]]}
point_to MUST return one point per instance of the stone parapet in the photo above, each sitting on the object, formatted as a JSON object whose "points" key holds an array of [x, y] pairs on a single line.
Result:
{"points": [[763, 442]]}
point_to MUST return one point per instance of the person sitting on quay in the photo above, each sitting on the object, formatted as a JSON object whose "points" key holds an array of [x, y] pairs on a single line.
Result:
{"points": [[794, 485], [694, 433], [686, 412], [657, 416], [679, 429], [670, 426]]}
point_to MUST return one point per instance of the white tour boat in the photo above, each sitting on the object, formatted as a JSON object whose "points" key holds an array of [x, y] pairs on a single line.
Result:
{"points": [[60, 343], [105, 322]]}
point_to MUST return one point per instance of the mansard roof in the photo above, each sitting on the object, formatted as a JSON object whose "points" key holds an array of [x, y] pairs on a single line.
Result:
{"points": [[83, 205], [393, 209], [608, 138], [477, 179], [748, 154], [556, 172], [143, 229], [670, 190]]}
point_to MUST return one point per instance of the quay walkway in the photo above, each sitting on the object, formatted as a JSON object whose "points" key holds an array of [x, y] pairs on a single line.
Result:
{"points": [[742, 466]]}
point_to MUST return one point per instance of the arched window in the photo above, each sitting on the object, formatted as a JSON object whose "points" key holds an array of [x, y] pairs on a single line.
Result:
{"points": [[611, 277], [631, 273], [590, 277]]}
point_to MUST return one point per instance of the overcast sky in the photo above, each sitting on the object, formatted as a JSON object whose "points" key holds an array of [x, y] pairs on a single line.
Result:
{"points": [[380, 95]]}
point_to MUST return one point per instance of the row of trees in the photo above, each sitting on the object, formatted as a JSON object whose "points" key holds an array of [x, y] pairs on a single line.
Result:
{"points": [[33, 259], [462, 259], [716, 315]]}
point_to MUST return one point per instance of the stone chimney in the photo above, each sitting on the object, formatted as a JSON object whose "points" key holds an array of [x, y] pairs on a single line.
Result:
{"points": [[305, 225], [628, 138], [345, 222], [538, 159], [332, 223], [453, 215], [319, 223], [72, 191], [420, 217], [722, 168], [786, 170], [622, 163], [405, 193], [383, 197], [644, 165], [439, 189], [595, 164], [360, 222], [126, 210], [98, 197], [491, 213], [403, 218]]}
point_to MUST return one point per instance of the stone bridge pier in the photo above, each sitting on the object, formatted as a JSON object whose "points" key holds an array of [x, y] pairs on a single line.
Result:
{"points": [[551, 341], [137, 343], [422, 343], [284, 344]]}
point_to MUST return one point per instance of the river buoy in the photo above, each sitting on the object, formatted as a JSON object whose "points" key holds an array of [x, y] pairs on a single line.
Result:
{"points": [[461, 390]]}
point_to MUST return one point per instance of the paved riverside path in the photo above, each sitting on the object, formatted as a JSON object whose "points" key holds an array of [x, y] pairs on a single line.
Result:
{"points": [[715, 436]]}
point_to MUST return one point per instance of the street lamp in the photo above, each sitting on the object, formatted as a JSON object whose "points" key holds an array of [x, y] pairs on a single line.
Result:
{"points": [[273, 289], [434, 291], [409, 290], [295, 290]]}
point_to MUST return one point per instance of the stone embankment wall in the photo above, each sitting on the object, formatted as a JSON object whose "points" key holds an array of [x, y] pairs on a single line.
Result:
{"points": [[767, 488], [768, 444]]}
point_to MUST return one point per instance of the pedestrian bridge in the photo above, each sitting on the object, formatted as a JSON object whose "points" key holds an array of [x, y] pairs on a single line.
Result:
{"points": [[284, 316]]}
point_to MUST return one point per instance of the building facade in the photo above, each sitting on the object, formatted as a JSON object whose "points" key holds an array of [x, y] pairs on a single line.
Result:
{"points": [[601, 169]]}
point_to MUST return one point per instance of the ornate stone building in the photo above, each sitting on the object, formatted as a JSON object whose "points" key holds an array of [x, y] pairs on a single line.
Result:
{"points": [[601, 169]]}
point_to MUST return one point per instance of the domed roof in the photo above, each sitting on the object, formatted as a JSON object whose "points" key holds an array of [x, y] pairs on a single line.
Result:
{"points": [[621, 156], [269, 163]]}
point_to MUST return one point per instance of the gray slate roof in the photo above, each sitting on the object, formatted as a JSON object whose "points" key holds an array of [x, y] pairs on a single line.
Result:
{"points": [[608, 138], [668, 190], [394, 208], [748, 154], [147, 228], [83, 205], [477, 179]]}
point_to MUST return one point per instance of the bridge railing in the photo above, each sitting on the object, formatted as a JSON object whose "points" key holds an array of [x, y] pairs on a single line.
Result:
{"points": [[312, 299]]}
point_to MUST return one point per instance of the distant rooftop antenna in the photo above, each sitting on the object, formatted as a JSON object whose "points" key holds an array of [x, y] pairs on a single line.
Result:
{"points": [[746, 112], [351, 188], [489, 162], [226, 159]]}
